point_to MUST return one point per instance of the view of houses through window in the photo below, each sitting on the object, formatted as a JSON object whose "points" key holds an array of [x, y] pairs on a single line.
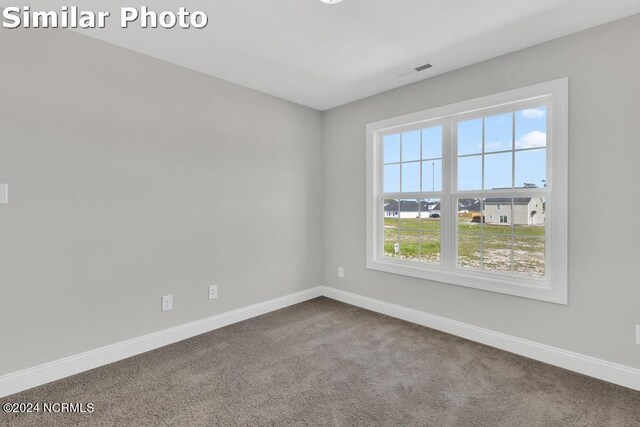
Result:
{"points": [[508, 239], [412, 229], [499, 184]]}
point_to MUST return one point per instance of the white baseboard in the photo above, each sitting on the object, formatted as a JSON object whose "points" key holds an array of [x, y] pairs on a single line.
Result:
{"points": [[587, 365], [25, 379]]}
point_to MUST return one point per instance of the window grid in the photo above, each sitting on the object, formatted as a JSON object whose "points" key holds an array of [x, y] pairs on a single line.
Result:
{"points": [[526, 137], [421, 163], [421, 197], [485, 237], [421, 231], [514, 151]]}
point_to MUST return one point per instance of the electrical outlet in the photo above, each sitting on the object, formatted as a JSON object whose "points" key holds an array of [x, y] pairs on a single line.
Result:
{"points": [[167, 302], [341, 272], [213, 291], [637, 334]]}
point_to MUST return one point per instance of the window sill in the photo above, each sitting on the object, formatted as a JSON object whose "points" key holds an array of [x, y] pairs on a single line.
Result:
{"points": [[522, 287]]}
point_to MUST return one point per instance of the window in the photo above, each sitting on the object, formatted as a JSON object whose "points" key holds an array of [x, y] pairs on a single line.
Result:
{"points": [[474, 194]]}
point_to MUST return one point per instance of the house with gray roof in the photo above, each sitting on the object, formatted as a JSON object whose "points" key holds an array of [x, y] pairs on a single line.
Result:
{"points": [[411, 209], [525, 211]]}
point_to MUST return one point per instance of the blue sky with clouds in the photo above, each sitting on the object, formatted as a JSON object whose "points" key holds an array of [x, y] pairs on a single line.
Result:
{"points": [[530, 155]]}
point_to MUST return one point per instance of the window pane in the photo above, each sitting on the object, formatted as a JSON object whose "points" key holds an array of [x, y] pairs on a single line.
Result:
{"points": [[409, 212], [531, 128], [531, 168], [411, 177], [410, 244], [419, 214], [432, 175], [469, 215], [391, 212], [496, 253], [470, 137], [391, 146], [430, 231], [469, 237], [430, 214], [498, 133], [430, 247], [411, 146], [391, 223], [497, 234], [498, 171], [391, 179], [391, 245], [432, 143], [498, 215], [529, 216], [528, 256], [470, 173], [469, 253], [412, 229]]}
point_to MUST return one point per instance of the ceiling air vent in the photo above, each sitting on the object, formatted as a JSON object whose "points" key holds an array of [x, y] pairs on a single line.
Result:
{"points": [[423, 67], [412, 70]]}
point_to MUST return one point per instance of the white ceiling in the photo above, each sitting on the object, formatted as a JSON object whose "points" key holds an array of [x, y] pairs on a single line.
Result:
{"points": [[323, 56]]}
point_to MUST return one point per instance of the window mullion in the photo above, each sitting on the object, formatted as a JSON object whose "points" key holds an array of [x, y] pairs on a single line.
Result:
{"points": [[401, 159], [447, 219]]}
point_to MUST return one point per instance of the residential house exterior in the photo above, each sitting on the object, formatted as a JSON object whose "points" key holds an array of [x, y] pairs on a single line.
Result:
{"points": [[411, 209], [469, 206], [526, 211], [428, 209]]}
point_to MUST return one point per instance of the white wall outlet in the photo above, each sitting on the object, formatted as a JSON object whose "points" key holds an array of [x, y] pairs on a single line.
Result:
{"points": [[341, 272], [213, 291], [4, 193], [637, 334], [167, 302]]}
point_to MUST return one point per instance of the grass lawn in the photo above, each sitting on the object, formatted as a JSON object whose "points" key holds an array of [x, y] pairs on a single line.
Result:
{"points": [[491, 247]]}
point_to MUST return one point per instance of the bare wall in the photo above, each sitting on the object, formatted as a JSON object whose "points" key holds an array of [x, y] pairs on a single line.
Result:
{"points": [[131, 178], [603, 65]]}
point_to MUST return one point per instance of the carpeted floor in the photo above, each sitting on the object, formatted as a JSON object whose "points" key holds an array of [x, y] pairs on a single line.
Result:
{"points": [[327, 363]]}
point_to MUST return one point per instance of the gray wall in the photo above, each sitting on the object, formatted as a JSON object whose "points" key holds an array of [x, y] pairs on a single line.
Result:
{"points": [[603, 65], [130, 178]]}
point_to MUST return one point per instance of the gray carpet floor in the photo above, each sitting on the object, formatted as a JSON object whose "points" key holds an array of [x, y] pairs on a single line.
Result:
{"points": [[327, 363]]}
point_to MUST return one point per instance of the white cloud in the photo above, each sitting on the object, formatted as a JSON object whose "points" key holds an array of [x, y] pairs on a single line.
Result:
{"points": [[497, 146], [533, 113], [532, 139]]}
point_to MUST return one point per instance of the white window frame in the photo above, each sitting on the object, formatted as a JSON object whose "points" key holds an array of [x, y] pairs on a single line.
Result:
{"points": [[554, 286]]}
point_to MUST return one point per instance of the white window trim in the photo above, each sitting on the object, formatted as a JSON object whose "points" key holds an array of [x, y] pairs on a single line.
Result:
{"points": [[554, 288]]}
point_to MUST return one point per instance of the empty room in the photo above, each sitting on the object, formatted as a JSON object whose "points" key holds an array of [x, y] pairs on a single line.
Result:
{"points": [[320, 212]]}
